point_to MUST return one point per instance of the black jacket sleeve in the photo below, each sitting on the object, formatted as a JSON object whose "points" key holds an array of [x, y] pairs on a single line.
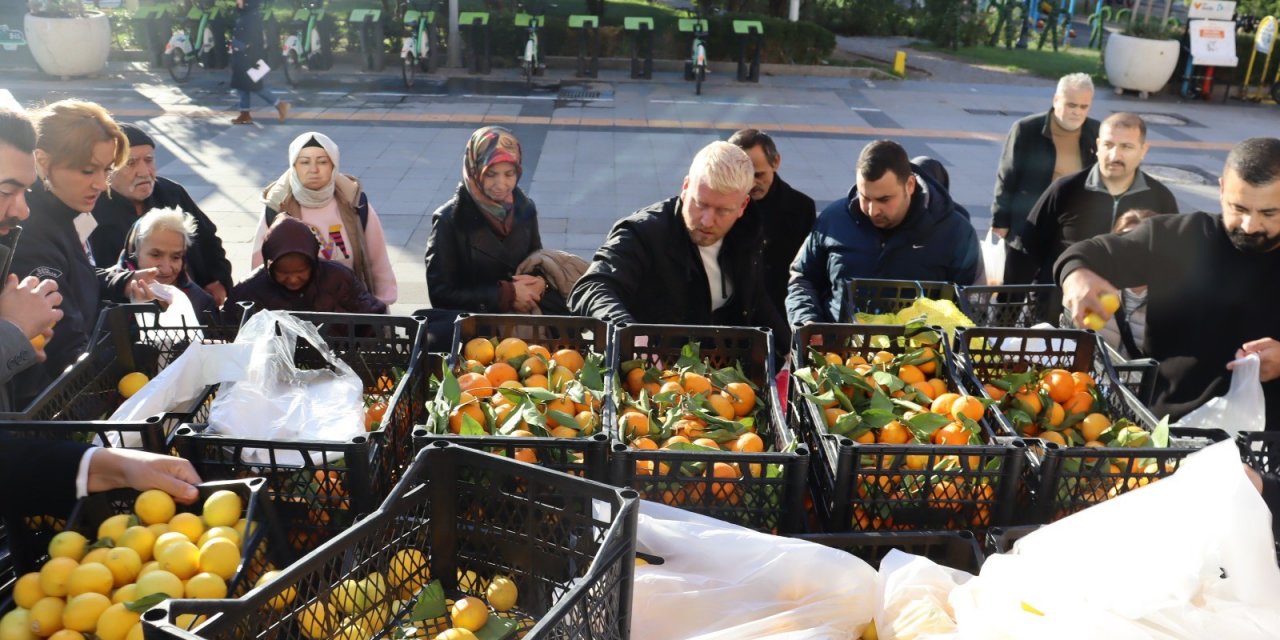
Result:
{"points": [[1026, 253], [964, 261], [809, 278], [356, 298], [1006, 182], [214, 266], [445, 271], [1127, 260], [614, 276], [54, 462]]}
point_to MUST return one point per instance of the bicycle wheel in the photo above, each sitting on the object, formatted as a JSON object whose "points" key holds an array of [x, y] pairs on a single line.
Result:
{"points": [[292, 68], [408, 69], [179, 64]]}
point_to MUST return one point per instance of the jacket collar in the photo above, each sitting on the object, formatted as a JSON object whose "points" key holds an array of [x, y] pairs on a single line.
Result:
{"points": [[929, 205], [50, 205], [1093, 182]]}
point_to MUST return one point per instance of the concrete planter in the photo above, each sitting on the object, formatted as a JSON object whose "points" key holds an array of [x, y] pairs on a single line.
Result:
{"points": [[69, 47], [1139, 64]]}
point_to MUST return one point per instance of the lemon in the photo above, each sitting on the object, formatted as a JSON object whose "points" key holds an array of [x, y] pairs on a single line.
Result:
{"points": [[16, 625], [167, 539], [114, 527], [140, 539], [46, 616], [1094, 321], [281, 600], [219, 532], [457, 633], [90, 578], [124, 564], [148, 568], [182, 559], [189, 621], [188, 524], [349, 597], [317, 620], [501, 593], [158, 529], [242, 526], [222, 509], [1110, 302], [68, 544], [135, 632], [38, 342], [27, 591], [54, 575], [220, 557], [469, 613], [115, 622], [154, 507], [205, 586], [409, 569], [97, 555], [125, 594], [131, 383], [67, 634], [82, 612], [159, 581], [471, 582]]}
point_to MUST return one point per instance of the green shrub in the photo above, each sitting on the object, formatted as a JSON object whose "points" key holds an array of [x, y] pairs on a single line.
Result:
{"points": [[953, 23], [862, 17]]}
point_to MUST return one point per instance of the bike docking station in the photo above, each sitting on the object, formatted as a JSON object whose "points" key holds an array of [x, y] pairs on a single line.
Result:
{"points": [[368, 23], [476, 26], [155, 23], [1211, 31], [588, 28], [642, 47], [750, 44]]}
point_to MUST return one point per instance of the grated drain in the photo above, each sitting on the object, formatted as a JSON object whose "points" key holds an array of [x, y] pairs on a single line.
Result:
{"points": [[578, 94], [994, 112]]}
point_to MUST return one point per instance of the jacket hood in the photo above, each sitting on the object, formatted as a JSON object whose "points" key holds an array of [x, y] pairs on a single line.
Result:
{"points": [[289, 235], [930, 199]]}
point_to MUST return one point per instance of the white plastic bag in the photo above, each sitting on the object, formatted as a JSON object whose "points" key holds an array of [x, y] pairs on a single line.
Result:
{"points": [[913, 601], [993, 257], [1244, 408], [1190, 556], [719, 581], [279, 401]]}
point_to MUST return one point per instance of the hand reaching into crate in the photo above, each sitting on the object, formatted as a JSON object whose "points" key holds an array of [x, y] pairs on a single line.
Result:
{"points": [[117, 468]]}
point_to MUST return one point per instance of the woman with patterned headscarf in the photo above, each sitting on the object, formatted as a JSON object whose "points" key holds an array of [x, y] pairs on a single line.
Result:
{"points": [[337, 210], [481, 236]]}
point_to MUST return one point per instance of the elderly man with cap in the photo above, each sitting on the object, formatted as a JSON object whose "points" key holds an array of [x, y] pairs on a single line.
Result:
{"points": [[135, 190]]}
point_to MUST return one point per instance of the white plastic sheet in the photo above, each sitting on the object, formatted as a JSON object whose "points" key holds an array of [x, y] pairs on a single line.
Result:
{"points": [[914, 596], [993, 248], [1244, 408]]}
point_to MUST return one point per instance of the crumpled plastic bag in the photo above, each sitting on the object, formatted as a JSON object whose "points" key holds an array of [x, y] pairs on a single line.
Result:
{"points": [[1243, 408], [914, 597], [719, 581], [940, 313]]}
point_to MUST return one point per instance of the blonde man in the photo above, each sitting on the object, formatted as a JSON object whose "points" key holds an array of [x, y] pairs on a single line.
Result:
{"points": [[691, 259]]}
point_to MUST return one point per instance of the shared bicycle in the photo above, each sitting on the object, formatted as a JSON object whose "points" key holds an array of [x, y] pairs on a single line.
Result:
{"points": [[531, 62], [695, 68], [305, 46], [196, 41], [420, 47]]}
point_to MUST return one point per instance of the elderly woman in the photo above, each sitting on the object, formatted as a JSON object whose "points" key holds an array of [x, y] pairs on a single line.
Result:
{"points": [[159, 240], [481, 239], [336, 208], [77, 147]]}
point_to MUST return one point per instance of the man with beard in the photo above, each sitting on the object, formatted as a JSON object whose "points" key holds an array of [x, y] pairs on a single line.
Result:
{"points": [[135, 190], [1087, 203], [1041, 148], [1210, 278]]}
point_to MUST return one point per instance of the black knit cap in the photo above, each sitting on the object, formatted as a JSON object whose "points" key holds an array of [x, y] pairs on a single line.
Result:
{"points": [[137, 137]]}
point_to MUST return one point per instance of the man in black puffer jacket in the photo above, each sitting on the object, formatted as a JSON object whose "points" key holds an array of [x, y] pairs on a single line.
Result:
{"points": [[693, 259]]}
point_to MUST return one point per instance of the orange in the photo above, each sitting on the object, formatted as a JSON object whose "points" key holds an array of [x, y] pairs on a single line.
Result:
{"points": [[867, 437], [1059, 384], [1082, 381], [707, 442], [539, 381], [695, 383], [526, 455], [725, 491], [1028, 402], [910, 374], [533, 366], [832, 415], [995, 392], [644, 443], [374, 415], [747, 443], [675, 440], [929, 366], [1093, 425], [671, 387], [645, 468], [635, 381], [894, 433], [689, 428], [943, 403], [476, 384], [742, 396], [925, 388], [569, 359], [939, 386], [500, 372], [540, 351], [1080, 402], [563, 405], [854, 360], [478, 349], [509, 349], [633, 424], [882, 358], [721, 405], [467, 406], [953, 433], [832, 358], [1054, 436], [1056, 414], [968, 406]]}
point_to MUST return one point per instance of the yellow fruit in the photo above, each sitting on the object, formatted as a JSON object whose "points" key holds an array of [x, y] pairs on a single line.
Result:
{"points": [[125, 594], [54, 575], [284, 598], [222, 509], [167, 539], [478, 349], [16, 625], [317, 620], [27, 591], [68, 544], [409, 569], [114, 527], [205, 586], [348, 597], [115, 623], [471, 582], [82, 612], [469, 613], [159, 581], [46, 616], [1110, 302], [154, 507], [158, 529], [219, 532], [188, 524], [124, 564], [182, 559], [242, 525], [131, 383], [510, 348], [140, 539], [67, 634], [501, 593], [1094, 321], [96, 555], [457, 633], [135, 632], [189, 621], [90, 578], [148, 568], [220, 557]]}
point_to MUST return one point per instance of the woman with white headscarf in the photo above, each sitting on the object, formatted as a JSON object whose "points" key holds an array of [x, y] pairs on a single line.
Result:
{"points": [[337, 210]]}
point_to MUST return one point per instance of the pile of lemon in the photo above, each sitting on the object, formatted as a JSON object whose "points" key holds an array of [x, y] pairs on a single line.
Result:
{"points": [[138, 559]]}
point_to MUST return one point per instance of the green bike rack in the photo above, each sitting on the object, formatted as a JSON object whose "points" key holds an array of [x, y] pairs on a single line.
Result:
{"points": [[411, 16], [687, 25], [750, 45], [476, 24], [367, 23], [360, 15], [588, 28], [522, 19], [469, 18], [642, 47], [582, 22]]}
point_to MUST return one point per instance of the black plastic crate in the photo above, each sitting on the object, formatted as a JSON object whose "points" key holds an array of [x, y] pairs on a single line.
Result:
{"points": [[1002, 539], [892, 296], [1009, 305], [768, 494], [955, 549], [871, 486], [1260, 450], [319, 487], [568, 543], [586, 456], [264, 544]]}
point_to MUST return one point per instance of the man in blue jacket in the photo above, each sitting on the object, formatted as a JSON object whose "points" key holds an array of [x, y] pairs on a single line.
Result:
{"points": [[897, 223]]}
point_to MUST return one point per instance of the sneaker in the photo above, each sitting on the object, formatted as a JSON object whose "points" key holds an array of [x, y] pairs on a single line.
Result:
{"points": [[282, 108]]}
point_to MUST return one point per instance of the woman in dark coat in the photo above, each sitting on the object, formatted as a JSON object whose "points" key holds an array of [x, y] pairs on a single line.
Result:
{"points": [[247, 48], [480, 237]]}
